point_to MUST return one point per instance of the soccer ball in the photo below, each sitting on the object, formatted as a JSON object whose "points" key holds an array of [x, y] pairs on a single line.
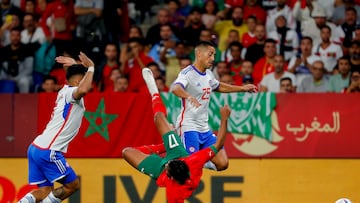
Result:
{"points": [[343, 200]]}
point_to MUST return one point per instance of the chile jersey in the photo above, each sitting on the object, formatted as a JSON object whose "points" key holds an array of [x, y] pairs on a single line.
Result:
{"points": [[64, 123], [199, 85]]}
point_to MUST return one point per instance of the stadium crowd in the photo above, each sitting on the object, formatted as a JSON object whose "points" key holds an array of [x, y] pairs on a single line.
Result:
{"points": [[278, 45]]}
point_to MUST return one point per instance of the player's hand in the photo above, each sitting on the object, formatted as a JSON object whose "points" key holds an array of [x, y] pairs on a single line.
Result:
{"points": [[85, 61], [66, 61], [194, 101], [250, 88], [225, 112]]}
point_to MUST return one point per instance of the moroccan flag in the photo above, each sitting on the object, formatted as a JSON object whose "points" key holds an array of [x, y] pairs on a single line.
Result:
{"points": [[250, 112], [111, 122]]}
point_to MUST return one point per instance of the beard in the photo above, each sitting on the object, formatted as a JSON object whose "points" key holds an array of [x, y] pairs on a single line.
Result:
{"points": [[237, 21]]}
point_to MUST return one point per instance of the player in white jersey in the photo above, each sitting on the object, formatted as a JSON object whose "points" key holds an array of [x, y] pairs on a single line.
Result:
{"points": [[45, 154], [194, 86]]}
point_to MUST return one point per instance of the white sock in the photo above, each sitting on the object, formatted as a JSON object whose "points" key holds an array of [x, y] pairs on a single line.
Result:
{"points": [[28, 198], [210, 165], [51, 199]]}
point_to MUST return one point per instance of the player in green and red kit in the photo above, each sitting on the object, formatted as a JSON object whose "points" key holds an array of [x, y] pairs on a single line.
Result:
{"points": [[178, 171]]}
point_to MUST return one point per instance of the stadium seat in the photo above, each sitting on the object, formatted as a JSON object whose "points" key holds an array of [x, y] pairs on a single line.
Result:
{"points": [[7, 86]]}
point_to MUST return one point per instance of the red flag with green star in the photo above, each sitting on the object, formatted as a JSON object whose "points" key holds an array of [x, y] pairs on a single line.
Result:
{"points": [[111, 122]]}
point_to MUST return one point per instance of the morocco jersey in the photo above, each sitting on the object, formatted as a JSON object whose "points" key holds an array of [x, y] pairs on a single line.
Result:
{"points": [[64, 123], [198, 85], [176, 193]]}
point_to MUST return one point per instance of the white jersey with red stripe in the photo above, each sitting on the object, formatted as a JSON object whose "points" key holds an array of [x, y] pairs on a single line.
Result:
{"points": [[64, 123], [199, 85]]}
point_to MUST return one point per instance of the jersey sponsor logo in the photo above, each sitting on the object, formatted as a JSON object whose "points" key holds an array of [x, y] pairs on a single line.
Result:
{"points": [[192, 149]]}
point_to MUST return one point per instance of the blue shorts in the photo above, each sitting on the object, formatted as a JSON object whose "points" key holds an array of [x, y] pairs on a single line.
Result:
{"points": [[47, 167], [195, 141]]}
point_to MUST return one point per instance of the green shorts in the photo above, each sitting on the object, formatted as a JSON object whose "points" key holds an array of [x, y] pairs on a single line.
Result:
{"points": [[153, 165]]}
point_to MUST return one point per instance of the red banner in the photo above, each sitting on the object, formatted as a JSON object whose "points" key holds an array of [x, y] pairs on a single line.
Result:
{"points": [[306, 125], [118, 121]]}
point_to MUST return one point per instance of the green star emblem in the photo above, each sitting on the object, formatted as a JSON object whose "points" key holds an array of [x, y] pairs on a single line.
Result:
{"points": [[99, 121]]}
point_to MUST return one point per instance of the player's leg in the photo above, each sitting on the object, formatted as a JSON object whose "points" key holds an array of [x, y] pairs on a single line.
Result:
{"points": [[220, 161], [133, 156], [64, 191]]}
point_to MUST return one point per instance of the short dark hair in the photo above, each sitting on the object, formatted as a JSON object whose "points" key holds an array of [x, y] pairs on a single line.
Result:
{"points": [[138, 40], [204, 43], [178, 170], [284, 79], [236, 44], [76, 69], [307, 38], [49, 77], [269, 40]]}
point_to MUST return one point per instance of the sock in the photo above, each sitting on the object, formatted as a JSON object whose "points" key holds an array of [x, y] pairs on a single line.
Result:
{"points": [[51, 199], [210, 165], [157, 104], [150, 149], [28, 198]]}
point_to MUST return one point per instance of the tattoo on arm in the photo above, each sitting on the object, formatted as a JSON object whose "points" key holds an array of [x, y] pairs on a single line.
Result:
{"points": [[59, 193]]}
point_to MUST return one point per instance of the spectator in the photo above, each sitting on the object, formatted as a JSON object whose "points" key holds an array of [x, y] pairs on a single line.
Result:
{"points": [[121, 84], [236, 62], [227, 78], [17, 61], [222, 28], [221, 69], [268, 4], [60, 32], [347, 29], [209, 17], [135, 31], [256, 51], [155, 69], [312, 26], [184, 62], [281, 9], [176, 18], [7, 9], [247, 70], [232, 37], [315, 83], [340, 81], [32, 33], [163, 18], [252, 8], [135, 61], [300, 64], [12, 21], [354, 85], [207, 35], [287, 39], [302, 10], [354, 54], [173, 63], [49, 85], [328, 51], [164, 48], [103, 72], [265, 65], [185, 7], [160, 83], [271, 81], [191, 33], [286, 85], [249, 37], [340, 11]]}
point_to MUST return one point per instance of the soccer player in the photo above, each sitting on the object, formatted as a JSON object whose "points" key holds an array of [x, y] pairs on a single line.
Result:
{"points": [[46, 161], [178, 172], [194, 86]]}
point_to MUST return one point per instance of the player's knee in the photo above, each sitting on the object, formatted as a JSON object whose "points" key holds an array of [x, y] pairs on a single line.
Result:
{"points": [[222, 165], [126, 151]]}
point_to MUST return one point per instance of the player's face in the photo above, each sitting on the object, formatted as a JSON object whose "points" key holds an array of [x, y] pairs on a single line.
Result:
{"points": [[208, 56]]}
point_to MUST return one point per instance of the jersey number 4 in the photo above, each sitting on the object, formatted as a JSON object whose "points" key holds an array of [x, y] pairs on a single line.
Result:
{"points": [[172, 141], [206, 93]]}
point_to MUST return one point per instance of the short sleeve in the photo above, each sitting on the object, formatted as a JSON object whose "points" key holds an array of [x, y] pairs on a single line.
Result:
{"points": [[182, 80], [69, 98]]}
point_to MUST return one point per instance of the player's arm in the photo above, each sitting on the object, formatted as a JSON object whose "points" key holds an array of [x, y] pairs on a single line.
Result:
{"points": [[226, 88], [85, 84], [225, 113], [179, 91]]}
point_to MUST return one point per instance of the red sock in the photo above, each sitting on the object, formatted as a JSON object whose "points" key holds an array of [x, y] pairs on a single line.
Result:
{"points": [[157, 104], [151, 149]]}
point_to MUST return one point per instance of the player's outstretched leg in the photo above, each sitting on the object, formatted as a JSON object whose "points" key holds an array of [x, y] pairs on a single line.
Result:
{"points": [[158, 107]]}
